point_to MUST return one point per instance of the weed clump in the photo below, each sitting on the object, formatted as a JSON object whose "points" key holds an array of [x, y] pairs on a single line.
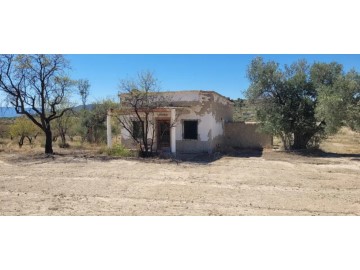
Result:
{"points": [[118, 150]]}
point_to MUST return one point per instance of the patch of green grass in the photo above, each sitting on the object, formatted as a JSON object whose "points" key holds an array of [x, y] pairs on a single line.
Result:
{"points": [[118, 150]]}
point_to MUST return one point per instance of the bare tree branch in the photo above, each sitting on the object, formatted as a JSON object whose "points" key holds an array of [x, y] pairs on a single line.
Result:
{"points": [[140, 99], [36, 85]]}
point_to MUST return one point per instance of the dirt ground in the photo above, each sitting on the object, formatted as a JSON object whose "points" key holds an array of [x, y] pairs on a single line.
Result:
{"points": [[250, 183]]}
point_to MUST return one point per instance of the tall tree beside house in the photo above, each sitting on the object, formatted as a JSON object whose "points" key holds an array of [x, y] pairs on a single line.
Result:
{"points": [[285, 101], [301, 103], [36, 85], [139, 100]]}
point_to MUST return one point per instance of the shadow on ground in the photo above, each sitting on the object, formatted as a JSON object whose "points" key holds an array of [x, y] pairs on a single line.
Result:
{"points": [[323, 154], [205, 158], [303, 156], [309, 156]]}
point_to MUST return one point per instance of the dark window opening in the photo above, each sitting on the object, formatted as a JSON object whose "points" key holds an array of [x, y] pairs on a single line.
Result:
{"points": [[137, 129], [191, 130]]}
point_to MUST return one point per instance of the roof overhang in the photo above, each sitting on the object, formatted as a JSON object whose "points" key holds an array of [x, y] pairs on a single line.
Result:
{"points": [[125, 111]]}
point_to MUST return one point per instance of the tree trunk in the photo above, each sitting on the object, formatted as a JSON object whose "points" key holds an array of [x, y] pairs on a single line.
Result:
{"points": [[21, 141], [63, 138], [300, 141], [283, 140], [48, 142], [90, 135], [30, 139]]}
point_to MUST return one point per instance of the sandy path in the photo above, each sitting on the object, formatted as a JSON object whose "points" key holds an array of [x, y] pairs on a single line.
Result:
{"points": [[268, 185]]}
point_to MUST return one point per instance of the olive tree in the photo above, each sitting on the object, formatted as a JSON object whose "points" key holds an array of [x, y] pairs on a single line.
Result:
{"points": [[338, 96], [285, 101], [303, 103]]}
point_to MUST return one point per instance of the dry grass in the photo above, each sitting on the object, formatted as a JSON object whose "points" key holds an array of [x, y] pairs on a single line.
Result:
{"points": [[344, 142], [80, 182], [37, 147]]}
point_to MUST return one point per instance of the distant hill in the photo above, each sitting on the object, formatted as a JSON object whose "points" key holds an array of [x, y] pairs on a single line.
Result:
{"points": [[9, 112], [244, 111], [87, 107]]}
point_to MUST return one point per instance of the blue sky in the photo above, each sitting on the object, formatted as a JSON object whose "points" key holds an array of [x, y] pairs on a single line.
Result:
{"points": [[224, 73]]}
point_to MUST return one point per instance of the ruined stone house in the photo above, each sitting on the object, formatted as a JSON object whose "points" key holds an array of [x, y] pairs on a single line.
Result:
{"points": [[192, 122]]}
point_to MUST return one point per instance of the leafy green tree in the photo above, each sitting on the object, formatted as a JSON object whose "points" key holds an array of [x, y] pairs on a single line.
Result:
{"points": [[285, 101], [23, 128], [338, 96], [353, 120], [36, 85], [301, 103], [92, 122]]}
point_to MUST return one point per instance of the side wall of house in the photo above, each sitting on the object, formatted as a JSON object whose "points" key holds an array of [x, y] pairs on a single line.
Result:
{"points": [[246, 135], [223, 113]]}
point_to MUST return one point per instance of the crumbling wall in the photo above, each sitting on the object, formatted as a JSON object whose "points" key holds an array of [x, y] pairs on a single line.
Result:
{"points": [[222, 111], [211, 111], [246, 135]]}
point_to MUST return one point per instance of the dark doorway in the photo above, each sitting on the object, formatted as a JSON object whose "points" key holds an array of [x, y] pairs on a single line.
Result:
{"points": [[163, 134]]}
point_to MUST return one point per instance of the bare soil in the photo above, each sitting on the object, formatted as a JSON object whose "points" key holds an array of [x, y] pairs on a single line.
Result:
{"points": [[77, 182], [270, 184]]}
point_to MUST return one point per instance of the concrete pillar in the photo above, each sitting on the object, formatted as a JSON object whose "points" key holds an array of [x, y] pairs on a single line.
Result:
{"points": [[108, 129], [173, 131]]}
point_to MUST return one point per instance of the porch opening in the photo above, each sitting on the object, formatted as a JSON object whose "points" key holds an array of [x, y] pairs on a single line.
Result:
{"points": [[163, 134]]}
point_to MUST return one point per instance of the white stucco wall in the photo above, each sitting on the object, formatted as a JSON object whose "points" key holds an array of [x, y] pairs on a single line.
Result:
{"points": [[126, 135]]}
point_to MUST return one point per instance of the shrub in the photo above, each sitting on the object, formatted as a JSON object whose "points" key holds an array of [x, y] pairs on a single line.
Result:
{"points": [[23, 128], [119, 150]]}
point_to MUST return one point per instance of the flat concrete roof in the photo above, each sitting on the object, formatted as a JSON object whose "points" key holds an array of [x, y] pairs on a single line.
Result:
{"points": [[191, 91]]}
